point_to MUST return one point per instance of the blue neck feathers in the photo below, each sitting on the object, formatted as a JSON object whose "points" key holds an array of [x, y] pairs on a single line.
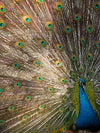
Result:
{"points": [[87, 118]]}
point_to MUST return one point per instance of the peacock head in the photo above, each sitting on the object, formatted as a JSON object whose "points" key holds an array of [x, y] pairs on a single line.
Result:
{"points": [[82, 83]]}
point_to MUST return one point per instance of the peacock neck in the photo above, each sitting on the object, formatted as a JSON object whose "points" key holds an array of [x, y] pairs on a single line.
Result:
{"points": [[87, 117]]}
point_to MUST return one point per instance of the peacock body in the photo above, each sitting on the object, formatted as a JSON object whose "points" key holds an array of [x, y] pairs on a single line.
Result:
{"points": [[49, 66]]}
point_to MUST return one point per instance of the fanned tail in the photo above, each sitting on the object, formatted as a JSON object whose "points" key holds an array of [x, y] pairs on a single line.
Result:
{"points": [[45, 46]]}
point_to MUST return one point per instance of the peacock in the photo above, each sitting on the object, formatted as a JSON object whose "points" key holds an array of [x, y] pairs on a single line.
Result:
{"points": [[49, 66]]}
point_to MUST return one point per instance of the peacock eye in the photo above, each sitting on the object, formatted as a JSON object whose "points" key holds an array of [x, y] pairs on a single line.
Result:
{"points": [[58, 6], [67, 124], [58, 64], [19, 44], [2, 122], [24, 118], [42, 42], [64, 129], [39, 78], [82, 41], [96, 5], [2, 9], [36, 62], [50, 89], [91, 73], [89, 28], [81, 69], [89, 56], [27, 19], [11, 108], [56, 129], [18, 84], [60, 47], [42, 106], [46, 126], [2, 24], [98, 44], [28, 98], [16, 65], [77, 17], [74, 57], [63, 80], [67, 29], [61, 109], [49, 25]]}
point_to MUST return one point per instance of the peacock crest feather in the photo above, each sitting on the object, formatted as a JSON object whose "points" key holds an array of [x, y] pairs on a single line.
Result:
{"points": [[49, 66]]}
